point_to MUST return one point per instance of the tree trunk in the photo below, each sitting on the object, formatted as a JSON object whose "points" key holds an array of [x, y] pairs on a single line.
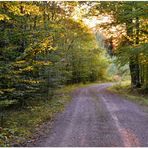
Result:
{"points": [[133, 63], [135, 72], [146, 77], [142, 74]]}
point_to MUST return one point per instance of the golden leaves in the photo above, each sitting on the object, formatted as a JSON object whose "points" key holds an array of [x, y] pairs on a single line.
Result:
{"points": [[31, 9], [4, 17], [143, 59]]}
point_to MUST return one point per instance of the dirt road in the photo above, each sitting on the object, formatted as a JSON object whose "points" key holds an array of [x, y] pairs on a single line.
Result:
{"points": [[97, 117]]}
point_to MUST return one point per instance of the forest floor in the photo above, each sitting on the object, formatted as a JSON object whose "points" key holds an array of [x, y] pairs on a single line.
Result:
{"points": [[97, 117], [139, 96], [23, 124]]}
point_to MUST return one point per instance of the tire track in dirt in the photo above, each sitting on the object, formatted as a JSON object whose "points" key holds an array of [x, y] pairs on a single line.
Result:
{"points": [[96, 117]]}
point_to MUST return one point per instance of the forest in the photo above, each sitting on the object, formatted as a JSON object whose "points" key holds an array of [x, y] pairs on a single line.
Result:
{"points": [[46, 45]]}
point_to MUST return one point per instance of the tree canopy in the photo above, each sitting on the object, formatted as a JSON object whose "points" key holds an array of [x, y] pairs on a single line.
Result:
{"points": [[42, 48], [130, 20]]}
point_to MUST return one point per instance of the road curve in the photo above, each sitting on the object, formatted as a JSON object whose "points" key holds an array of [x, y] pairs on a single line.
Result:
{"points": [[96, 117]]}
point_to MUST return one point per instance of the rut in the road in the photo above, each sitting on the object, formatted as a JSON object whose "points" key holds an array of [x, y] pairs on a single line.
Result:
{"points": [[96, 117]]}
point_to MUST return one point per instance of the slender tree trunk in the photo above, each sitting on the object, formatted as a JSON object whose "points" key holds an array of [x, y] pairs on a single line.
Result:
{"points": [[142, 73], [134, 64], [137, 65], [35, 22], [22, 43], [135, 72], [146, 77]]}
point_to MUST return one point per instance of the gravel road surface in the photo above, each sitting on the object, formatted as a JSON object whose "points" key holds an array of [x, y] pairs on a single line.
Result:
{"points": [[96, 118]]}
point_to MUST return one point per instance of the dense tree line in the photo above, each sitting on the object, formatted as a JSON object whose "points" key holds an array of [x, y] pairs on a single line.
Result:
{"points": [[133, 47], [43, 48]]}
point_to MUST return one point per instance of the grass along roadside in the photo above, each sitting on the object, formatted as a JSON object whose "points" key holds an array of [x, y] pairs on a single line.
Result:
{"points": [[21, 125], [124, 89]]}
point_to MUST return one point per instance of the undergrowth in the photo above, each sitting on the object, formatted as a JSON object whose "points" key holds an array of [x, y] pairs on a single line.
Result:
{"points": [[20, 124], [136, 95]]}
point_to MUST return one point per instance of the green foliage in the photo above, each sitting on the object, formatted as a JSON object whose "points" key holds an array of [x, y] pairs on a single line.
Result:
{"points": [[125, 53], [5, 103], [20, 124], [42, 49], [5, 135], [124, 89], [132, 47]]}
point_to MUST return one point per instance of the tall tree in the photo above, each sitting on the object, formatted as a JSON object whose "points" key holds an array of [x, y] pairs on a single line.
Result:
{"points": [[131, 16]]}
